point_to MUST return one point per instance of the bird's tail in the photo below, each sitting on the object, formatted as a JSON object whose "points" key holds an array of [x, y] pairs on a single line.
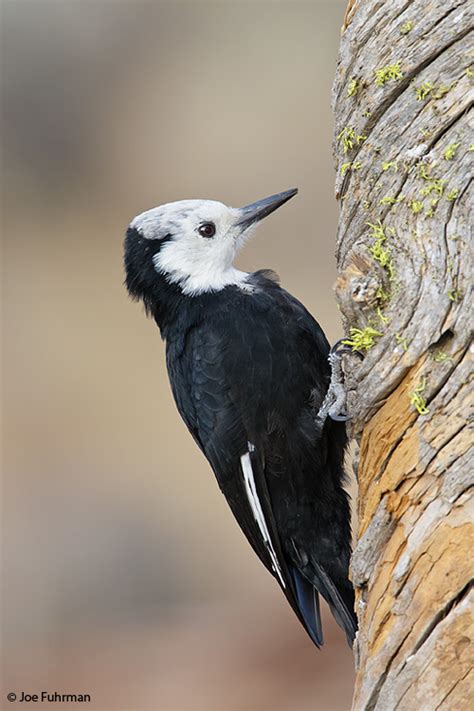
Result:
{"points": [[307, 599], [340, 599]]}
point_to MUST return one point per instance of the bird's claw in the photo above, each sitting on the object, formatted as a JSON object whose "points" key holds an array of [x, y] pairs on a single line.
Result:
{"points": [[340, 347], [334, 403], [341, 417]]}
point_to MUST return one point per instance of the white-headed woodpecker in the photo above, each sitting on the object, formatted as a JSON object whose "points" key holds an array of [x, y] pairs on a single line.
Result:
{"points": [[249, 371]]}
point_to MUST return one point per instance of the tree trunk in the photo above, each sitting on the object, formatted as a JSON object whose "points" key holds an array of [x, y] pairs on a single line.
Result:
{"points": [[403, 151]]}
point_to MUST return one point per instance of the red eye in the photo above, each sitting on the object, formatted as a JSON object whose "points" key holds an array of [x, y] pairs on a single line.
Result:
{"points": [[207, 229]]}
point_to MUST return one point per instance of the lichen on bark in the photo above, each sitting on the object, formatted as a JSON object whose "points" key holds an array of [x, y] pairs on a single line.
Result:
{"points": [[402, 99]]}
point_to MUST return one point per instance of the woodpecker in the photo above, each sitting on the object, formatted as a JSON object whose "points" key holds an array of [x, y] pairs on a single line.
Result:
{"points": [[249, 371]]}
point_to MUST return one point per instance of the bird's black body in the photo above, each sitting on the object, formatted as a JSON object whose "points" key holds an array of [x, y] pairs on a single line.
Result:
{"points": [[248, 369]]}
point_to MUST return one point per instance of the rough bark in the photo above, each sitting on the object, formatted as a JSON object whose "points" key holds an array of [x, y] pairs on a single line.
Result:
{"points": [[403, 147]]}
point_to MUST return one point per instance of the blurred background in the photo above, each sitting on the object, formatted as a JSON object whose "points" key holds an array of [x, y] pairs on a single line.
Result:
{"points": [[125, 576]]}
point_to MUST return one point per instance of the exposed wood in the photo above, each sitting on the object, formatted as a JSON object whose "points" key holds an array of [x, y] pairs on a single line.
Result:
{"points": [[350, 9], [404, 155]]}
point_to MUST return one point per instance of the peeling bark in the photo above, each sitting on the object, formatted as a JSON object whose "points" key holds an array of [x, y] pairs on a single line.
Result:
{"points": [[403, 146]]}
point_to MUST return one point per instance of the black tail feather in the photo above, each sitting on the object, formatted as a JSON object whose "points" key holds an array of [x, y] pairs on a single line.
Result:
{"points": [[340, 600], [308, 602]]}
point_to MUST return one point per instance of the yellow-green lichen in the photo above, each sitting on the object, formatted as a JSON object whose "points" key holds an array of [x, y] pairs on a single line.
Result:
{"points": [[353, 86], [432, 207], [470, 72], [406, 27], [378, 251], [387, 200], [401, 341], [416, 206], [386, 165], [356, 165], [434, 185], [417, 399], [382, 295], [424, 171], [428, 89], [362, 339], [440, 357], [440, 91], [454, 295], [453, 194], [349, 138], [450, 151], [384, 319], [423, 90], [390, 72]]}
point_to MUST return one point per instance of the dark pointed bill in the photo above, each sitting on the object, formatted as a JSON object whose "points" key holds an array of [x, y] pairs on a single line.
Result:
{"points": [[258, 210]]}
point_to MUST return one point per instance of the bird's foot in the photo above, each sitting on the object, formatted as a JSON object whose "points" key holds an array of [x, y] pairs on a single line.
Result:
{"points": [[334, 404]]}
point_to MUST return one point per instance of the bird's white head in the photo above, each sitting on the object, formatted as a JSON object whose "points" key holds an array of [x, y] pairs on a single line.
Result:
{"points": [[195, 241]]}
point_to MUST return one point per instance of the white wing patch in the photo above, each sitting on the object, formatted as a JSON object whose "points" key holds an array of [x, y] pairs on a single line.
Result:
{"points": [[255, 505]]}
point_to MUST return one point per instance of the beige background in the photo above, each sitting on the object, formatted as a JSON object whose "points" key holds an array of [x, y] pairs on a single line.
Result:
{"points": [[125, 575]]}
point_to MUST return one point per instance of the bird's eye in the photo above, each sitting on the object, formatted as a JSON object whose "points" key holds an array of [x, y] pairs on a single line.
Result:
{"points": [[207, 229]]}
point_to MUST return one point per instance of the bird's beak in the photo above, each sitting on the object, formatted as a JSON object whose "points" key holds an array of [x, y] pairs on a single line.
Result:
{"points": [[256, 211]]}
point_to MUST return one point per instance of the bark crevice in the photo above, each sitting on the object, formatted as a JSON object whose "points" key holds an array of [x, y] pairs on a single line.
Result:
{"points": [[441, 615]]}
